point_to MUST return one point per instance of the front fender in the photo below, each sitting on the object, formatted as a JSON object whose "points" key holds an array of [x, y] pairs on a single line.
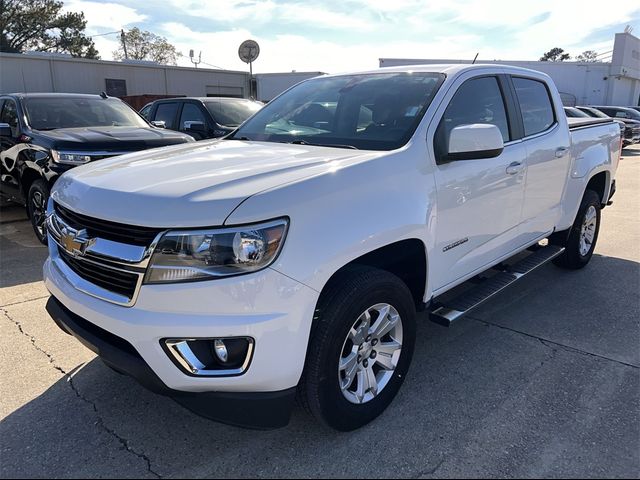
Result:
{"points": [[339, 216]]}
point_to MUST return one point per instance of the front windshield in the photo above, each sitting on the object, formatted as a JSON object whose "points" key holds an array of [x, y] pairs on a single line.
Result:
{"points": [[50, 113], [370, 111], [231, 113]]}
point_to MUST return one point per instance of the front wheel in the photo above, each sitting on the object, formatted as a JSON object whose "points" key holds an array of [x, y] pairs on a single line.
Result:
{"points": [[360, 350], [37, 205], [581, 242]]}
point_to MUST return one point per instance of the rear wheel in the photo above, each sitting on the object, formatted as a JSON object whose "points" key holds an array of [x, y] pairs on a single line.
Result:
{"points": [[360, 349], [37, 199], [582, 238]]}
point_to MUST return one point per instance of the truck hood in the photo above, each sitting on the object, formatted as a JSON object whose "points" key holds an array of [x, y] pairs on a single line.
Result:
{"points": [[193, 185], [117, 139]]}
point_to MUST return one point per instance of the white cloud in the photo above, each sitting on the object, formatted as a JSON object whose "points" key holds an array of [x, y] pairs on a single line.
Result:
{"points": [[498, 29], [104, 15], [294, 52]]}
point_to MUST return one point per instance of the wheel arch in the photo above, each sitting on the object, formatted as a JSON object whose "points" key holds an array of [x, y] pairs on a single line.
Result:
{"points": [[29, 175], [600, 183], [407, 259]]}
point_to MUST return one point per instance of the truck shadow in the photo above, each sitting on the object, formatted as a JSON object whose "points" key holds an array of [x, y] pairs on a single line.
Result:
{"points": [[488, 387]]}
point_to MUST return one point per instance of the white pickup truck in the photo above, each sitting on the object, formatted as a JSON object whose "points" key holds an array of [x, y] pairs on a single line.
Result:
{"points": [[291, 256]]}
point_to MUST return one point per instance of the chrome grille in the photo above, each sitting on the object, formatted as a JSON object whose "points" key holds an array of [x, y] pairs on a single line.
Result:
{"points": [[114, 280], [109, 258], [118, 232]]}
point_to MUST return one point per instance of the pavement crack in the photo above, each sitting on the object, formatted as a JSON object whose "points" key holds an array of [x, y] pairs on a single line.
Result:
{"points": [[24, 301], [554, 345], [430, 471], [100, 421]]}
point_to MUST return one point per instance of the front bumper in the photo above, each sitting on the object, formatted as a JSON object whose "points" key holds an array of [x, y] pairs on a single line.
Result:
{"points": [[271, 308], [261, 410]]}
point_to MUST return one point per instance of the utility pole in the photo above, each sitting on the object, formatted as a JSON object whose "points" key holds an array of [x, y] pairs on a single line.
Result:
{"points": [[124, 43], [192, 58]]}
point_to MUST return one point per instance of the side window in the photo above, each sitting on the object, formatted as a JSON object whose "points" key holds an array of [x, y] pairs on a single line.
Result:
{"points": [[10, 116], [478, 100], [535, 105], [191, 113], [166, 112], [620, 114], [145, 111]]}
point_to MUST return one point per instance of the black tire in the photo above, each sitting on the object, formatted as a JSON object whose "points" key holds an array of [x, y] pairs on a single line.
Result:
{"points": [[340, 306], [572, 258], [37, 208]]}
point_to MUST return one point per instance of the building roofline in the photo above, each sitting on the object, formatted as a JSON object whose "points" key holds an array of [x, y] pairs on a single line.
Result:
{"points": [[151, 65]]}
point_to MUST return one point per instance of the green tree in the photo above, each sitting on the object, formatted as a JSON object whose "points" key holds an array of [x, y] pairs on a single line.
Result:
{"points": [[588, 56], [40, 25], [143, 45], [555, 55]]}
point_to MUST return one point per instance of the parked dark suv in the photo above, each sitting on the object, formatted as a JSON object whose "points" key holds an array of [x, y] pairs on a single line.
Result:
{"points": [[44, 135], [206, 117], [632, 127]]}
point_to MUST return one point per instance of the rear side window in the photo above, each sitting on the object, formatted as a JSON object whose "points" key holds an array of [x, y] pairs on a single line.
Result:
{"points": [[166, 113], [478, 100], [535, 105]]}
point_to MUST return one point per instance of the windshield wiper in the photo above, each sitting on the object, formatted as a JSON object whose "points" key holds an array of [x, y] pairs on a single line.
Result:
{"points": [[332, 145]]}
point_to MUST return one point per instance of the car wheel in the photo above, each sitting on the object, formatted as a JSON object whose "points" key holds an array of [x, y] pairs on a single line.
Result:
{"points": [[360, 349], [37, 205], [581, 242]]}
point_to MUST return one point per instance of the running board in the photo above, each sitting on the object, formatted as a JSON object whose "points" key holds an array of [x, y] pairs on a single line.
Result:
{"points": [[454, 309]]}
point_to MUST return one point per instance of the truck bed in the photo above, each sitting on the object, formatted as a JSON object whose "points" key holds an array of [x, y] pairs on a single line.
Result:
{"points": [[578, 122]]}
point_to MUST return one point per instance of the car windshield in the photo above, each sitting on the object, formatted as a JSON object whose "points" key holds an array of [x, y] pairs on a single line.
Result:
{"points": [[594, 112], [49, 113], [369, 111], [231, 113], [574, 112]]}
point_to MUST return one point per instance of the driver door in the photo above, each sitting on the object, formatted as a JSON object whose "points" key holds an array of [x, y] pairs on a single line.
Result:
{"points": [[479, 201]]}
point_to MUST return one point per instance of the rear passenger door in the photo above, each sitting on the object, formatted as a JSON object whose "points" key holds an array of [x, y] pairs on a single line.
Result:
{"points": [[546, 141]]}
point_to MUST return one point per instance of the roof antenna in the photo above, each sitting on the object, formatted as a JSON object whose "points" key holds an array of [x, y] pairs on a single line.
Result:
{"points": [[104, 95], [475, 58]]}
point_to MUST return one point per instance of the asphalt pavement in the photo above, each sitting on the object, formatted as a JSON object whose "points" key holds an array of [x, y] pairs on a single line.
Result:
{"points": [[541, 381]]}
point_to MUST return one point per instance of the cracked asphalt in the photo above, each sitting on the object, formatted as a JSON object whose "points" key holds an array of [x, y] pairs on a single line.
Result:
{"points": [[541, 381]]}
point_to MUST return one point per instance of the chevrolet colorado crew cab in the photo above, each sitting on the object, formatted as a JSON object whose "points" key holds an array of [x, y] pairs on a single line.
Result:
{"points": [[42, 135], [289, 258]]}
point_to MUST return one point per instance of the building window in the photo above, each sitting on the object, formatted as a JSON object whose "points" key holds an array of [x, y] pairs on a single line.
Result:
{"points": [[116, 87]]}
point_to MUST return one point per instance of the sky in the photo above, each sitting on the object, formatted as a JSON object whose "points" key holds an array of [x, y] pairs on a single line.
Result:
{"points": [[341, 35]]}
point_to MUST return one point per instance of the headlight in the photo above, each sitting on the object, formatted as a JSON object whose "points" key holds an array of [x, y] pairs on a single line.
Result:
{"points": [[184, 255], [70, 158]]}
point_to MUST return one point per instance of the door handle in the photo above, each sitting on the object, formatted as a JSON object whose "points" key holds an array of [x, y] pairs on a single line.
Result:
{"points": [[514, 168], [561, 151]]}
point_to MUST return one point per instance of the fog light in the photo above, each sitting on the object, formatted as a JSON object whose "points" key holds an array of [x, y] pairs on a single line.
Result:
{"points": [[211, 356], [221, 351]]}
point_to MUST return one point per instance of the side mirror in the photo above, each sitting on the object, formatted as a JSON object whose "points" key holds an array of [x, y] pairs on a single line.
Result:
{"points": [[159, 124], [5, 130], [478, 140], [195, 126]]}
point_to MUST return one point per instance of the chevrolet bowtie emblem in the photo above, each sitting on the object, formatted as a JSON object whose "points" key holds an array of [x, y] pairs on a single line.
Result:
{"points": [[75, 242]]}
